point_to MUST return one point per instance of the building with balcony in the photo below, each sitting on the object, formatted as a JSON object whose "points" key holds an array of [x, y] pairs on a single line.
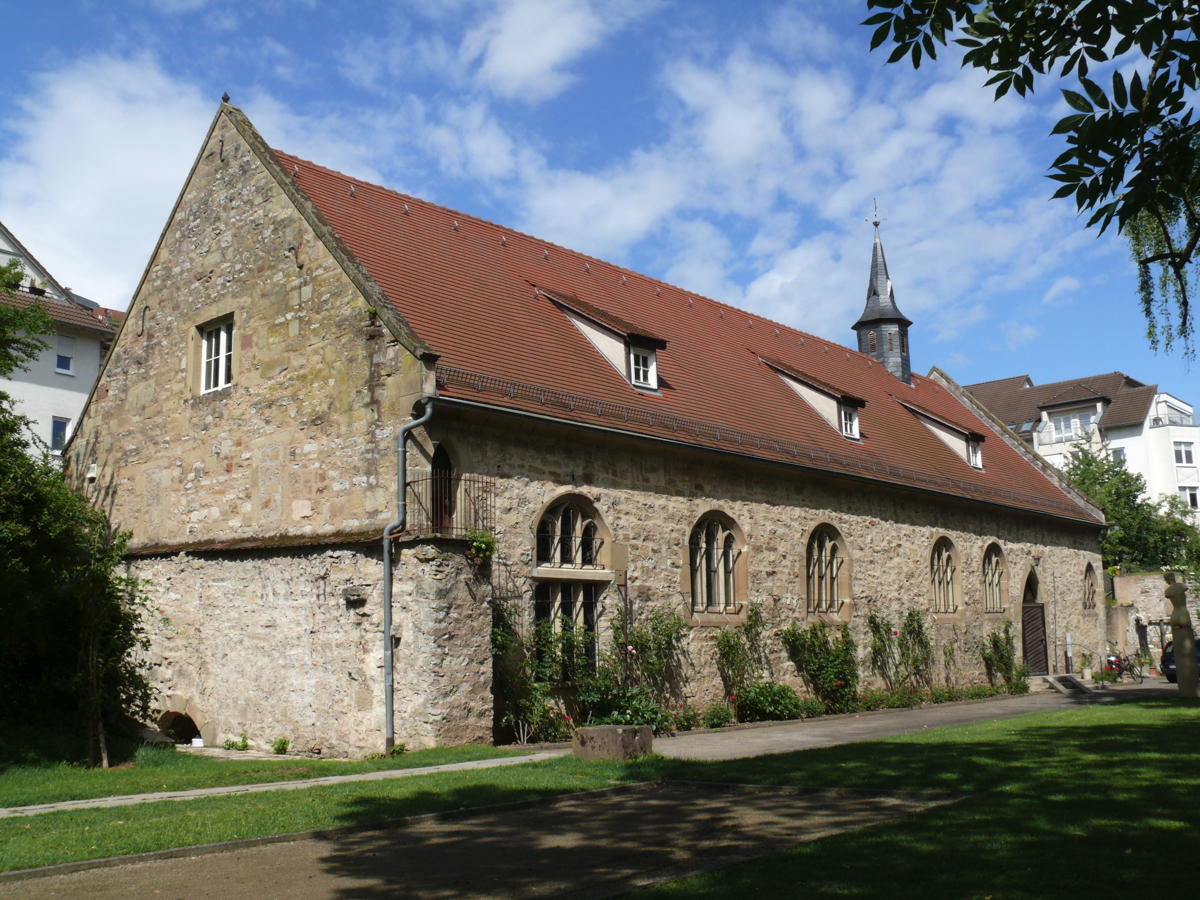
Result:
{"points": [[1156, 433]]}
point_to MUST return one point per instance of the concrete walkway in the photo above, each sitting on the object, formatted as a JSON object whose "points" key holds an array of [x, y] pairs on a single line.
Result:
{"points": [[732, 743], [383, 775]]}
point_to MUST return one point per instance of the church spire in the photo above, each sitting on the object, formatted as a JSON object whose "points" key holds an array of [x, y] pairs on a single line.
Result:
{"points": [[882, 329]]}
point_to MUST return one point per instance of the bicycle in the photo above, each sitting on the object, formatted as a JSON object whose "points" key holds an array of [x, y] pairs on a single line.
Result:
{"points": [[1120, 666]]}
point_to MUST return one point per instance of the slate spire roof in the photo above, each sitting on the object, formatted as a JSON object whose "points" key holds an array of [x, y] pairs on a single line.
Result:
{"points": [[881, 299]]}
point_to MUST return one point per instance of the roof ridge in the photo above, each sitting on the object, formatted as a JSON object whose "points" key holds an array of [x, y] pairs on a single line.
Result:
{"points": [[579, 253]]}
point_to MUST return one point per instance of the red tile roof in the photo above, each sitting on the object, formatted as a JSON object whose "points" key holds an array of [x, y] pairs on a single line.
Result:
{"points": [[473, 291], [59, 311], [1018, 400]]}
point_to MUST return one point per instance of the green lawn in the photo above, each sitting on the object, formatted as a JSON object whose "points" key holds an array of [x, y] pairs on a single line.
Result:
{"points": [[166, 770], [1071, 803]]}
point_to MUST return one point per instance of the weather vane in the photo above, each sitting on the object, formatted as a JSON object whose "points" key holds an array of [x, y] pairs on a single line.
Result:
{"points": [[874, 218]]}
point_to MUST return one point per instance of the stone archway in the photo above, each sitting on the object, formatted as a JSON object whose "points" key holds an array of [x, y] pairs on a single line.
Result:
{"points": [[1033, 627]]}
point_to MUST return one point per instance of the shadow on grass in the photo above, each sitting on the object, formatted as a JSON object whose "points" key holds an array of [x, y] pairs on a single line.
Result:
{"points": [[1102, 798]]}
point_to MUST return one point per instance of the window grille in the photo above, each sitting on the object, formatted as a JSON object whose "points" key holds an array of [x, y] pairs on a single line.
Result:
{"points": [[568, 538], [713, 556], [828, 586], [942, 570], [1089, 587], [993, 580]]}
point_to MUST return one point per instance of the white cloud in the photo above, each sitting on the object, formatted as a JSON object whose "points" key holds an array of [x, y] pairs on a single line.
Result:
{"points": [[524, 47], [1017, 333], [1061, 288], [101, 151]]}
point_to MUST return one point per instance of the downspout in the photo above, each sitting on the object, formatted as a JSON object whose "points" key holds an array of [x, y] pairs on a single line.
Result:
{"points": [[397, 525]]}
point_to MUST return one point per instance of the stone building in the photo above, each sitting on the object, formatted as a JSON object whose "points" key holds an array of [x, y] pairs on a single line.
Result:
{"points": [[626, 442]]}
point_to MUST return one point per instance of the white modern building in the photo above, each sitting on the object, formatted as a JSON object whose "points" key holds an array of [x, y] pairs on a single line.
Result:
{"points": [[52, 391], [1156, 433]]}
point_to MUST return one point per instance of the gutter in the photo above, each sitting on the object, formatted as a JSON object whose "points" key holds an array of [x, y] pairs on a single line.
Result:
{"points": [[395, 526]]}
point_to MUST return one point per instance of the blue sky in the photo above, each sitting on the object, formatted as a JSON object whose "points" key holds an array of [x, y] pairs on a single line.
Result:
{"points": [[732, 149]]}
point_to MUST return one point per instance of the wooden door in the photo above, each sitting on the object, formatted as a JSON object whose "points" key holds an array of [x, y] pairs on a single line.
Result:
{"points": [[1033, 632]]}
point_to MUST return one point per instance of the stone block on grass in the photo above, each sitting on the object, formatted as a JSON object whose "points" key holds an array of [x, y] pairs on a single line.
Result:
{"points": [[613, 741]]}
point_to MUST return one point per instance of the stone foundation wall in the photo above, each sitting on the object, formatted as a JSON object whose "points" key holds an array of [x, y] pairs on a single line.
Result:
{"points": [[288, 643]]}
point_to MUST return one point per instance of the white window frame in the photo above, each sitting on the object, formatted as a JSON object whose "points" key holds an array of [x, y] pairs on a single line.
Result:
{"points": [[643, 375], [1063, 428], [64, 342], [849, 417], [1190, 496], [216, 355], [1116, 454], [975, 453], [1184, 455], [66, 427]]}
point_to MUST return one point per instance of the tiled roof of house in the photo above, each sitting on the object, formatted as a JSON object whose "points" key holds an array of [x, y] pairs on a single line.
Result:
{"points": [[477, 293], [59, 311], [1011, 401]]}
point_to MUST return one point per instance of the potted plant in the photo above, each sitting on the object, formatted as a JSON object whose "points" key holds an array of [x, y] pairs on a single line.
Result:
{"points": [[481, 546], [1085, 665]]}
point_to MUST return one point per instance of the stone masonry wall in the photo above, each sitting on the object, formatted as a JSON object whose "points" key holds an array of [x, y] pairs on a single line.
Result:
{"points": [[288, 643], [300, 445], [651, 498]]}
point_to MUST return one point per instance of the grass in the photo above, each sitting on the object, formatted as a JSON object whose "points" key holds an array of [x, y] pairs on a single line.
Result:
{"points": [[1097, 798], [166, 770]]}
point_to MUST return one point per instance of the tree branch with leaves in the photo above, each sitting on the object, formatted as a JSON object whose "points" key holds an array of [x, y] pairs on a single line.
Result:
{"points": [[1133, 145]]}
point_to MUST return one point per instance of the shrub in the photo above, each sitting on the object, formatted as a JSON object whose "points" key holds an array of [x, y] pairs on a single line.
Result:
{"points": [[685, 718], [883, 649], [916, 651], [280, 746], [900, 698], [829, 665], [1000, 655], [481, 544], [811, 707], [740, 656], [240, 744], [767, 701], [398, 749], [1020, 682], [980, 691], [717, 716], [946, 693]]}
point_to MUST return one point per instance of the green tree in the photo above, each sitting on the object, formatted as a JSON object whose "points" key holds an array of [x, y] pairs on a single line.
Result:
{"points": [[1140, 532], [72, 621], [1132, 147]]}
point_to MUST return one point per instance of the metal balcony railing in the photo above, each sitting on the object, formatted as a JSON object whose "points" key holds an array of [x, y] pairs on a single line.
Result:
{"points": [[450, 505]]}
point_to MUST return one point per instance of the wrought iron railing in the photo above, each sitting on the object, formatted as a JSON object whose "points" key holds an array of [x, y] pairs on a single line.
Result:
{"points": [[450, 505]]}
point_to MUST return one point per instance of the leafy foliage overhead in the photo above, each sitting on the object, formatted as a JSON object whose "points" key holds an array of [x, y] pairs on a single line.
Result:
{"points": [[1133, 139]]}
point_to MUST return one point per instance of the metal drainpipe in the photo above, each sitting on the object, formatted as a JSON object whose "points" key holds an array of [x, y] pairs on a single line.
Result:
{"points": [[394, 526]]}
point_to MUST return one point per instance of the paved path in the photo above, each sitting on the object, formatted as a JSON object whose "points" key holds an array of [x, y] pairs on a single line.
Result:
{"points": [[726, 744], [833, 730], [129, 799]]}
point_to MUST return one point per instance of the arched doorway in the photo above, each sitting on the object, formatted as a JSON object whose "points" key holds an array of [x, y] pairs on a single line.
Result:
{"points": [[444, 491], [1033, 627]]}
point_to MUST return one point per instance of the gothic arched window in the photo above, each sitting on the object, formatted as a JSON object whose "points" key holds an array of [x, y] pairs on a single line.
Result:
{"points": [[826, 562], [943, 576], [713, 553], [568, 537], [995, 579]]}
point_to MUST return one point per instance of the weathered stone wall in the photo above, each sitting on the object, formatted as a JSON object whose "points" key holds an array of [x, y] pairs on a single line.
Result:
{"points": [[289, 643], [651, 497], [1140, 600], [300, 445]]}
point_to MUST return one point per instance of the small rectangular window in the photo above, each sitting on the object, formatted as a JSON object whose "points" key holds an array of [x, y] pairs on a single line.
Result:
{"points": [[1183, 454], [976, 454], [218, 356], [643, 368], [64, 360], [58, 433], [850, 422], [891, 337], [1117, 454], [1190, 496]]}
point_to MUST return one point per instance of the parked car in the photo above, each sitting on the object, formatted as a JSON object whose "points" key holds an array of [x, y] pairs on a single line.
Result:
{"points": [[1168, 660]]}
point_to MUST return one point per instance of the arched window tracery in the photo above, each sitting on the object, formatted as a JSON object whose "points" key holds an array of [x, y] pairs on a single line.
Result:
{"points": [[995, 579], [713, 552], [943, 571], [826, 559]]}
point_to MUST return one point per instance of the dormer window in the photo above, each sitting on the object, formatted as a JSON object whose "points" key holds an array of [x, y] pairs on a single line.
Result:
{"points": [[643, 368], [850, 422], [975, 454]]}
